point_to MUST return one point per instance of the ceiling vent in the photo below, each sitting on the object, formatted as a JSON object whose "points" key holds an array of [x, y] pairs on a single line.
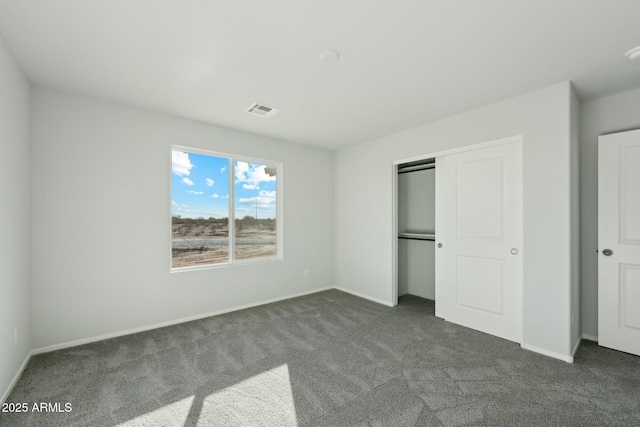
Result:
{"points": [[262, 110]]}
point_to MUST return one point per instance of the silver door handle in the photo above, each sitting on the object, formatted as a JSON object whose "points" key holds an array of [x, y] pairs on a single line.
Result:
{"points": [[607, 252], [514, 251]]}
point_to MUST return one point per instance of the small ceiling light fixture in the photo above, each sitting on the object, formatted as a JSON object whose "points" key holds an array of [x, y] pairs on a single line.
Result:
{"points": [[633, 53], [262, 110], [330, 56]]}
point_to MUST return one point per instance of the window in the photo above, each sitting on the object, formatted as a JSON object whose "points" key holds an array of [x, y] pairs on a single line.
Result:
{"points": [[207, 190]]}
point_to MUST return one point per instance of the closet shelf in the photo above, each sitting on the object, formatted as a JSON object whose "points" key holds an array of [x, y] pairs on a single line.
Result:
{"points": [[417, 236]]}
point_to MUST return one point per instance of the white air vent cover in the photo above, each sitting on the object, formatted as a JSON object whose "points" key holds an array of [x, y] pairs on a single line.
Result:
{"points": [[262, 110]]}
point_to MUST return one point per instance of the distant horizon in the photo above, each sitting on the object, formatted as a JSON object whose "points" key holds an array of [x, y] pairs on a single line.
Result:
{"points": [[214, 217], [200, 187]]}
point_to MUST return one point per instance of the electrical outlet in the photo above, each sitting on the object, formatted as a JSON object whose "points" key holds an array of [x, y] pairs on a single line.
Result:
{"points": [[16, 337], [306, 274]]}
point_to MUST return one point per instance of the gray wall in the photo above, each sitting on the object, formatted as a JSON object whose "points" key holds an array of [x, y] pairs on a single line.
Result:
{"points": [[364, 241], [416, 214], [15, 217], [101, 220], [610, 114]]}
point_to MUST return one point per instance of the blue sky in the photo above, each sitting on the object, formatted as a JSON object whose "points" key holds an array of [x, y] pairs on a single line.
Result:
{"points": [[200, 187]]}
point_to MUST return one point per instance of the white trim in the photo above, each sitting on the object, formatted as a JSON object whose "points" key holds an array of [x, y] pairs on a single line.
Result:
{"points": [[253, 261], [279, 210], [590, 337], [475, 146], [394, 235], [545, 352], [169, 323], [231, 217], [13, 382], [358, 294], [575, 348]]}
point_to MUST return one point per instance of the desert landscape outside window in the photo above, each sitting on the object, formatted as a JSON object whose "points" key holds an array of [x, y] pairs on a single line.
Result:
{"points": [[207, 190], [255, 210]]}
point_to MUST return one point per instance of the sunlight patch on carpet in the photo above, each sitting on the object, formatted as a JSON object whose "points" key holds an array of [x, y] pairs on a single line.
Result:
{"points": [[174, 414], [265, 399]]}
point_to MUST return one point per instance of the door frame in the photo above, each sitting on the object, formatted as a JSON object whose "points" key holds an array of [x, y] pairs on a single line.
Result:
{"points": [[394, 198]]}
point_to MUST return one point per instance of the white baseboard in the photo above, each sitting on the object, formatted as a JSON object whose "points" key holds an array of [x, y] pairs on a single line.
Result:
{"points": [[590, 337], [358, 294], [169, 323], [540, 350], [16, 377]]}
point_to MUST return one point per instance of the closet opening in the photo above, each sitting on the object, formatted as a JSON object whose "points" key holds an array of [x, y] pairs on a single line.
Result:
{"points": [[416, 202]]}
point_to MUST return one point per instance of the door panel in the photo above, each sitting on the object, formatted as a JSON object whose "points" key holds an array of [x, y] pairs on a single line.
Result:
{"points": [[480, 212], [478, 223], [630, 179], [484, 295], [619, 232], [629, 301]]}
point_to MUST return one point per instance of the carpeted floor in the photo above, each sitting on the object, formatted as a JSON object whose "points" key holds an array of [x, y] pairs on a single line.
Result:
{"points": [[321, 360]]}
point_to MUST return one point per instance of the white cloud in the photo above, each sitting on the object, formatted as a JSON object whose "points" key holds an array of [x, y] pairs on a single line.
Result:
{"points": [[225, 197], [181, 209], [187, 181], [180, 163], [215, 195], [266, 199], [242, 168], [174, 203], [194, 192], [223, 169], [250, 186], [210, 182], [263, 202], [252, 174]]}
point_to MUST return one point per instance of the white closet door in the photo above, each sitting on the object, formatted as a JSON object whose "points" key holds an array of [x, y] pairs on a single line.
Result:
{"points": [[619, 241], [479, 225]]}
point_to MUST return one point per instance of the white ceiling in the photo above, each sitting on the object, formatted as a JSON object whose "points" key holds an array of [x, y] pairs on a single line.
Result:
{"points": [[403, 62]]}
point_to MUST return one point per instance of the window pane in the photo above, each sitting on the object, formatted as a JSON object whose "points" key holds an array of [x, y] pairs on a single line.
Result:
{"points": [[199, 209], [255, 210]]}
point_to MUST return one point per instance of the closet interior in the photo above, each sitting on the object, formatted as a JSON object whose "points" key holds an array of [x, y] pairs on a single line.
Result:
{"points": [[416, 228]]}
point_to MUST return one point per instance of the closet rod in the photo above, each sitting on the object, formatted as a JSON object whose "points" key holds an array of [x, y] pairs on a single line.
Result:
{"points": [[417, 236], [417, 168]]}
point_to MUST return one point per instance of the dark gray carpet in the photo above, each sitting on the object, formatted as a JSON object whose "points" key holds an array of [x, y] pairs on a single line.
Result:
{"points": [[326, 359]]}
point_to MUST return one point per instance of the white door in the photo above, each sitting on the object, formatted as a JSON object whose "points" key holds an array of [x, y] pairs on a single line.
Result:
{"points": [[479, 239], [619, 241]]}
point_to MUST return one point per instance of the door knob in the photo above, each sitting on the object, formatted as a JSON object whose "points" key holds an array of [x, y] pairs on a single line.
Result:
{"points": [[607, 252], [439, 245], [514, 251]]}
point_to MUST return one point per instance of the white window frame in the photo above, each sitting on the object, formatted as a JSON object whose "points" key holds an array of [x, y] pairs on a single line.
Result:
{"points": [[231, 214]]}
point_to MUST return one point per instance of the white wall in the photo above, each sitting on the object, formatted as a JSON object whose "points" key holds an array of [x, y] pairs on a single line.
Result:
{"points": [[416, 214], [101, 220], [611, 114], [364, 176], [15, 217]]}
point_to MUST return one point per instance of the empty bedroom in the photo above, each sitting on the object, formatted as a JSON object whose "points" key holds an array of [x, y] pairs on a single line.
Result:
{"points": [[298, 213]]}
